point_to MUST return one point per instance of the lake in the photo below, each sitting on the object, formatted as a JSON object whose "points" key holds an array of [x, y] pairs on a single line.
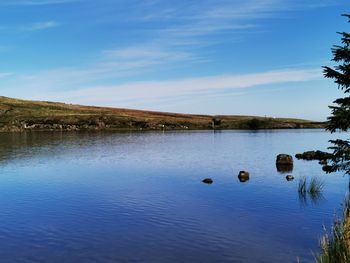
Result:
{"points": [[139, 197]]}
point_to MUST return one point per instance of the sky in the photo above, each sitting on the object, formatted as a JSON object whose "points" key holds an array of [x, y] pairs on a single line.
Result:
{"points": [[236, 57]]}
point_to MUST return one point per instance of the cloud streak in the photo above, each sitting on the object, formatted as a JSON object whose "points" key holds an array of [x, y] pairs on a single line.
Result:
{"points": [[169, 35], [154, 90], [36, 2], [188, 30], [215, 17], [40, 26], [5, 74], [111, 65]]}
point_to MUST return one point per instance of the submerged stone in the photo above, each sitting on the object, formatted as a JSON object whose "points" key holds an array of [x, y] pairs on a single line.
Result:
{"points": [[323, 162], [284, 168], [284, 159], [243, 180], [314, 155], [290, 177], [284, 163], [243, 176], [208, 181]]}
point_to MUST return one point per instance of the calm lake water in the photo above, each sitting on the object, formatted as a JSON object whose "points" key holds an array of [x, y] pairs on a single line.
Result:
{"points": [[138, 197]]}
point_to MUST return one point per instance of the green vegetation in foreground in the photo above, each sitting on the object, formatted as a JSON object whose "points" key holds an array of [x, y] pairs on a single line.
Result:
{"points": [[336, 247], [20, 115]]}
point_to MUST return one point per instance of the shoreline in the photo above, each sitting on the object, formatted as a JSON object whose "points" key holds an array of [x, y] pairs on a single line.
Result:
{"points": [[24, 115], [121, 130]]}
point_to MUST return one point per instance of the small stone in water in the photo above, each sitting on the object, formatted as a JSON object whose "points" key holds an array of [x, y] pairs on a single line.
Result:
{"points": [[243, 176], [290, 177], [208, 181]]}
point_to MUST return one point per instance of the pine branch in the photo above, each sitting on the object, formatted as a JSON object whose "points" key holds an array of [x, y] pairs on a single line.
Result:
{"points": [[341, 53], [341, 79]]}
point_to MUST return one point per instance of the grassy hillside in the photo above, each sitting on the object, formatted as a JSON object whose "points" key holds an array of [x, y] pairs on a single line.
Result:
{"points": [[21, 115]]}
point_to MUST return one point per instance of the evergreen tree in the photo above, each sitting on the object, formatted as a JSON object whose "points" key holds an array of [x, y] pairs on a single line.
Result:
{"points": [[340, 118]]}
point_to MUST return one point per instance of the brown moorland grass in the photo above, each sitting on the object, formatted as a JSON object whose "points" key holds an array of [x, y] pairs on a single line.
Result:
{"points": [[19, 115]]}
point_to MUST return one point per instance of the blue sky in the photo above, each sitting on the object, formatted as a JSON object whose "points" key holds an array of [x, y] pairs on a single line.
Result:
{"points": [[247, 57]]}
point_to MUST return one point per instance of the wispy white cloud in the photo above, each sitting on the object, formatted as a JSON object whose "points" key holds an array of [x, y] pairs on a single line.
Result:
{"points": [[217, 17], [111, 65], [197, 25], [157, 90], [152, 54], [40, 26], [30, 27], [5, 74], [185, 30], [35, 2], [204, 29]]}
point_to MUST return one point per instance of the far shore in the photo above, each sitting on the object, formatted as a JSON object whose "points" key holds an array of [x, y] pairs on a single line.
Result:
{"points": [[24, 115]]}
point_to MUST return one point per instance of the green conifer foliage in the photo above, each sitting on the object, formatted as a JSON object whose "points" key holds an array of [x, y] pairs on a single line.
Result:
{"points": [[340, 118]]}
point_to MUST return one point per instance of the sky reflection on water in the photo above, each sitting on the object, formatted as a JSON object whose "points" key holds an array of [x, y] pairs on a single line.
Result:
{"points": [[107, 197]]}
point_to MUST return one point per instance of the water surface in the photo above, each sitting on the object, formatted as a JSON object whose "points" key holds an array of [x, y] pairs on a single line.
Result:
{"points": [[121, 197]]}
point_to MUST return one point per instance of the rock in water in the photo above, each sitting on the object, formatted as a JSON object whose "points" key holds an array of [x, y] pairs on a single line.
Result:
{"points": [[284, 163], [208, 181], [284, 168], [323, 162], [314, 155], [243, 176], [290, 177], [284, 159], [243, 180]]}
